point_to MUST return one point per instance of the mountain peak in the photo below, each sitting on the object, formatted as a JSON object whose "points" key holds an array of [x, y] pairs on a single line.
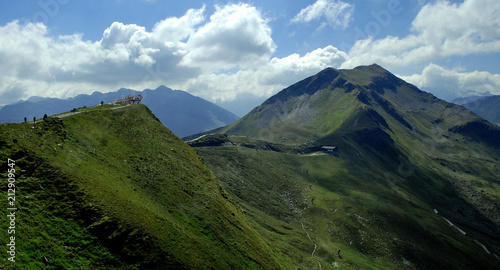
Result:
{"points": [[368, 68], [163, 88], [346, 100], [331, 79], [372, 67], [420, 150]]}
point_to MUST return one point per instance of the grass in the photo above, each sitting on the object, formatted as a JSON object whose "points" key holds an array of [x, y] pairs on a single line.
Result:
{"points": [[401, 154], [376, 221], [120, 190], [125, 192], [382, 188]]}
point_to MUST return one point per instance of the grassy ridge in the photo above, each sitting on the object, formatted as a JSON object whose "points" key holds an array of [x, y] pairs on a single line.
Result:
{"points": [[113, 187]]}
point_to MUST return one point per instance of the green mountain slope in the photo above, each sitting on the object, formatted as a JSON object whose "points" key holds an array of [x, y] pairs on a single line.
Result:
{"points": [[369, 108], [402, 155], [114, 189], [321, 104], [313, 206]]}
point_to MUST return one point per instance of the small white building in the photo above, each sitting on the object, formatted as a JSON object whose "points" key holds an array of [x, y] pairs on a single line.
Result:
{"points": [[329, 149]]}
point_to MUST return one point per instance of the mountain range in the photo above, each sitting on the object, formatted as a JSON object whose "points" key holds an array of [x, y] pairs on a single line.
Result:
{"points": [[410, 181], [182, 112], [346, 169], [486, 107], [463, 100]]}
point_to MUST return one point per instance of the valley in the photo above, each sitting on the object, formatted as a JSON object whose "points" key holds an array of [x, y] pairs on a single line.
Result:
{"points": [[322, 204]]}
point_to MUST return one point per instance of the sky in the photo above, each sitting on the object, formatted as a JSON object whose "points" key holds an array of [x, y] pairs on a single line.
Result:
{"points": [[237, 54]]}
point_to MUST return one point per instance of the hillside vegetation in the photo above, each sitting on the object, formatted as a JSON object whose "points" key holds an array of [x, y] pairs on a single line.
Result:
{"points": [[327, 210], [411, 174], [115, 189], [412, 184]]}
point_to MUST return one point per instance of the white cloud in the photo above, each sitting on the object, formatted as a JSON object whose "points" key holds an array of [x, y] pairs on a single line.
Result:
{"points": [[177, 49], [34, 63], [440, 29], [236, 36], [335, 13], [290, 69], [175, 29], [229, 54], [266, 80], [449, 84]]}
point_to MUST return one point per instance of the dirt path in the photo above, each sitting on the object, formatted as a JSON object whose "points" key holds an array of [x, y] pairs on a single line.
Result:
{"points": [[73, 113], [464, 233], [315, 246], [315, 154], [67, 114]]}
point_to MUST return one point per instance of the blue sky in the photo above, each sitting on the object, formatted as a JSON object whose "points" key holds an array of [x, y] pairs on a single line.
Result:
{"points": [[237, 54]]}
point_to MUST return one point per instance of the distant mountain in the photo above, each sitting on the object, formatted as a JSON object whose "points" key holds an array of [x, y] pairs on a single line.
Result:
{"points": [[360, 169], [464, 100], [180, 111], [486, 107]]}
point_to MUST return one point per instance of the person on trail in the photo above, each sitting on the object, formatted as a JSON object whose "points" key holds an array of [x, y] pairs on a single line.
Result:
{"points": [[25, 119], [34, 119]]}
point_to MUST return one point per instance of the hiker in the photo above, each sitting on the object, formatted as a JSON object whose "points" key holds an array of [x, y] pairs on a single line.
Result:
{"points": [[34, 119], [25, 119], [45, 116]]}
